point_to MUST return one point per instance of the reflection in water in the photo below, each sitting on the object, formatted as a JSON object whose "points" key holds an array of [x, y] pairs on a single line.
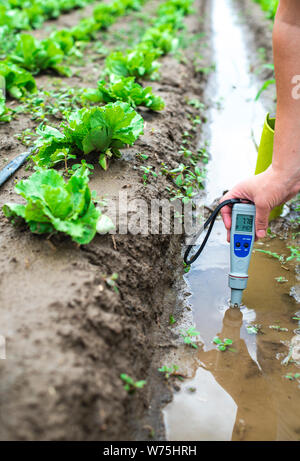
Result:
{"points": [[259, 403], [241, 394], [228, 396], [251, 376], [207, 411], [208, 283]]}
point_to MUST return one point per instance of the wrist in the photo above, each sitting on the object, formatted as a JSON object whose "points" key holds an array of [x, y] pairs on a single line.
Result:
{"points": [[288, 177]]}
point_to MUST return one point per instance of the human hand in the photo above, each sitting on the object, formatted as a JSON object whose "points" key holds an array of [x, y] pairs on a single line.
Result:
{"points": [[266, 190]]}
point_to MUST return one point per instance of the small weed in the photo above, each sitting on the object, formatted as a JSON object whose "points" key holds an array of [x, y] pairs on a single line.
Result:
{"points": [[131, 385], [277, 328], [223, 345], [188, 336], [271, 253], [26, 137], [147, 173], [111, 282], [253, 329], [281, 279], [168, 371], [266, 85], [295, 254], [172, 320], [270, 233], [196, 103], [292, 377], [142, 156], [187, 268]]}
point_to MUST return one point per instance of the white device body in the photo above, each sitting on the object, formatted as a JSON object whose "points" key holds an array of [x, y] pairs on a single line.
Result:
{"points": [[241, 244]]}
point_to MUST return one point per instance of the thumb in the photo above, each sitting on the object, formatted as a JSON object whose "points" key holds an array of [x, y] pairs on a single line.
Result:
{"points": [[261, 221]]}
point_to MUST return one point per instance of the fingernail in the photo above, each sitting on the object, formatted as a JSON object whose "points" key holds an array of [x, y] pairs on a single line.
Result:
{"points": [[261, 234]]}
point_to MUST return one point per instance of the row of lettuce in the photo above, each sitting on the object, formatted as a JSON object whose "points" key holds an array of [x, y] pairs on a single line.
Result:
{"points": [[54, 204], [31, 14], [31, 56], [20, 15]]}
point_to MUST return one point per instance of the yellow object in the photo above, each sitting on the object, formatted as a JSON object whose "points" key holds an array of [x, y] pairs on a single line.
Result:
{"points": [[265, 155]]}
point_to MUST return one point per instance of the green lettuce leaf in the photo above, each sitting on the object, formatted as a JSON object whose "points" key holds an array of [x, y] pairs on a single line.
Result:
{"points": [[36, 56], [127, 90], [138, 62], [17, 80], [55, 205], [161, 38], [100, 129]]}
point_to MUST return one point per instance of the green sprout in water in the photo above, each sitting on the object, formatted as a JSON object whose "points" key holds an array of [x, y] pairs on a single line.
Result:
{"points": [[188, 336], [253, 329], [131, 385], [270, 253], [223, 345], [292, 377], [281, 279], [295, 254], [277, 328]]}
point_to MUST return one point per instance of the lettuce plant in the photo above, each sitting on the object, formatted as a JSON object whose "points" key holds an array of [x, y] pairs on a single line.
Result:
{"points": [[24, 15], [161, 38], [138, 62], [18, 81], [99, 129], [127, 90], [35, 55], [54, 205], [65, 40], [183, 6], [4, 111], [85, 30]]}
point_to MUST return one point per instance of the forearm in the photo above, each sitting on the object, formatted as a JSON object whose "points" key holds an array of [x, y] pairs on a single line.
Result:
{"points": [[286, 46], [281, 181]]}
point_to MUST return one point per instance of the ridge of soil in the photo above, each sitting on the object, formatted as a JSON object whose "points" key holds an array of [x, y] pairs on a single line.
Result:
{"points": [[68, 334]]}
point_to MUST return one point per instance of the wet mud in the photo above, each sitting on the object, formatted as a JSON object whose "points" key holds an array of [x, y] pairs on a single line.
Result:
{"points": [[68, 334], [246, 392]]}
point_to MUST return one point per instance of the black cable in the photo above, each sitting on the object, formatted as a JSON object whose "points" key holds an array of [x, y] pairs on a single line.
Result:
{"points": [[211, 221]]}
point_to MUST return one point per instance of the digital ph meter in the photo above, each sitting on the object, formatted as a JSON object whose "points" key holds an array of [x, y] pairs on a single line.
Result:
{"points": [[242, 238]]}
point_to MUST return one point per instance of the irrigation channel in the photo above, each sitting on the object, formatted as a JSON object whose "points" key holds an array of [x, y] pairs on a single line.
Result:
{"points": [[241, 394]]}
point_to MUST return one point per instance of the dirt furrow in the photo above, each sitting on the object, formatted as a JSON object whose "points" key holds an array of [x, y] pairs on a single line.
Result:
{"points": [[69, 335]]}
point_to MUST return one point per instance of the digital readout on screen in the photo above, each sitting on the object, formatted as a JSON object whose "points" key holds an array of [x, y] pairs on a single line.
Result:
{"points": [[244, 223]]}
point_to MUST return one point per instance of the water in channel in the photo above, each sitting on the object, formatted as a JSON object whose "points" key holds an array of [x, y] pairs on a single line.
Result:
{"points": [[243, 394]]}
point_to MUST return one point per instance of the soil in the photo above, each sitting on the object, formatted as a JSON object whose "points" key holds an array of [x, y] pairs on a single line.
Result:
{"points": [[68, 334], [195, 412]]}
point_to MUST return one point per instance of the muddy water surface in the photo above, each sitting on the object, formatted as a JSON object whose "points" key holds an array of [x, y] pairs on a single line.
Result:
{"points": [[241, 394]]}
